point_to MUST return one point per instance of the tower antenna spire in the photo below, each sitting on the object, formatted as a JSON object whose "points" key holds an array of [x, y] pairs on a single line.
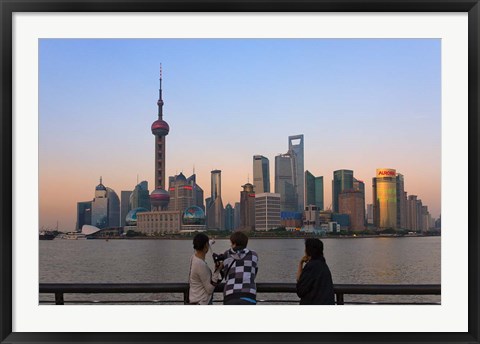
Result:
{"points": [[160, 99], [100, 179]]}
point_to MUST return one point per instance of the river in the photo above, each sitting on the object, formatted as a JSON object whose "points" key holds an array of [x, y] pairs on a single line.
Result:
{"points": [[383, 260]]}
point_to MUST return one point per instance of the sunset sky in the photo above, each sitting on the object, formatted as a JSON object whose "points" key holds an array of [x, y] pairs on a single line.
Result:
{"points": [[361, 104]]}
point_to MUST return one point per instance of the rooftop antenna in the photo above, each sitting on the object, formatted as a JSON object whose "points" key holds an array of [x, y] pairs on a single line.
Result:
{"points": [[100, 179], [160, 98], [248, 178], [193, 168]]}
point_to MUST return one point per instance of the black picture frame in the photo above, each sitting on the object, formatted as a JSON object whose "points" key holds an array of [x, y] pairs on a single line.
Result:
{"points": [[9, 7]]}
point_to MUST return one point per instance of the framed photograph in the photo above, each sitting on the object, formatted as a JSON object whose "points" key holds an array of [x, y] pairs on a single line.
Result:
{"points": [[383, 94]]}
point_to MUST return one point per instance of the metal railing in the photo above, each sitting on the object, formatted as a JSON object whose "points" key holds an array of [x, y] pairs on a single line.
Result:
{"points": [[59, 289]]}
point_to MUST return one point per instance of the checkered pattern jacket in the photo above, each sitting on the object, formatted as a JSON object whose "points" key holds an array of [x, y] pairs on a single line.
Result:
{"points": [[241, 268]]}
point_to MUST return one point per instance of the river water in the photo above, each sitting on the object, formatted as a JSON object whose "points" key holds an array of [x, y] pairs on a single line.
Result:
{"points": [[383, 260]]}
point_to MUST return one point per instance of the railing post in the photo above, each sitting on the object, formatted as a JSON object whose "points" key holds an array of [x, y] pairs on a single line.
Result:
{"points": [[59, 299], [340, 300], [185, 296]]}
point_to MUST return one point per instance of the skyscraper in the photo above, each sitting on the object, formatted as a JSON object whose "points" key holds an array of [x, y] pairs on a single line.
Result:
{"points": [[124, 206], [412, 222], [113, 208], [359, 185], [342, 181], [197, 191], [105, 207], [267, 211], [160, 197], [295, 145], [84, 214], [236, 216], [100, 206], [313, 190], [261, 174], [181, 193], [229, 217], [385, 198], [247, 207], [286, 181], [401, 202], [139, 197], [352, 203], [215, 211]]}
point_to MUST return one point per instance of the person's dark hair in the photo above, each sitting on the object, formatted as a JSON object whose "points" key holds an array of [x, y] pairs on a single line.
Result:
{"points": [[240, 239], [199, 241], [314, 248]]}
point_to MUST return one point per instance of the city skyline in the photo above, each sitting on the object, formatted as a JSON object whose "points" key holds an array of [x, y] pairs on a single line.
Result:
{"points": [[224, 107]]}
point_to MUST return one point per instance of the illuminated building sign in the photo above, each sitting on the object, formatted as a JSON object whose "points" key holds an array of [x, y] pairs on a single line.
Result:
{"points": [[188, 187], [386, 172]]}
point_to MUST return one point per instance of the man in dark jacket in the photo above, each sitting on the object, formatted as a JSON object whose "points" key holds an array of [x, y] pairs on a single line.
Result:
{"points": [[314, 280]]}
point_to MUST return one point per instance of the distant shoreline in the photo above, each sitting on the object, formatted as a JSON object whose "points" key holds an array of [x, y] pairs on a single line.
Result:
{"points": [[273, 237]]}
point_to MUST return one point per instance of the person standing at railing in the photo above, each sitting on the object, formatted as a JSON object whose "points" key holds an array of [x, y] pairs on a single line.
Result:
{"points": [[314, 280], [201, 280], [240, 268]]}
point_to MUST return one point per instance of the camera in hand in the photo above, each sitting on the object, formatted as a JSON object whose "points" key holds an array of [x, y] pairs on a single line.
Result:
{"points": [[217, 258]]}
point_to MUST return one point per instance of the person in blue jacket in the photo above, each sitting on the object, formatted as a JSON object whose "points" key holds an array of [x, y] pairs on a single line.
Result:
{"points": [[314, 280]]}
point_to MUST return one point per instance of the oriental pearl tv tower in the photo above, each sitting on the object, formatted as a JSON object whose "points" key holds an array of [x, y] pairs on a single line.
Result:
{"points": [[160, 197]]}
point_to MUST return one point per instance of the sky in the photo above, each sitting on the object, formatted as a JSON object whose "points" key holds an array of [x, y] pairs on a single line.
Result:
{"points": [[361, 104]]}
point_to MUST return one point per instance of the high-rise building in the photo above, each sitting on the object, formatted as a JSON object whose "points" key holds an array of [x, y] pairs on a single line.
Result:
{"points": [[139, 197], [84, 214], [124, 206], [286, 181], [197, 191], [352, 203], [159, 196], [419, 215], [295, 145], [267, 211], [412, 222], [426, 219], [247, 207], [236, 216], [313, 190], [370, 214], [215, 211], [229, 217], [342, 181], [261, 174], [113, 208], [100, 206], [181, 193], [311, 218], [401, 202], [359, 185], [105, 207], [385, 198]]}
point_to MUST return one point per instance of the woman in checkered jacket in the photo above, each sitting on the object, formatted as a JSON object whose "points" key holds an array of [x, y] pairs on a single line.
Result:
{"points": [[240, 268]]}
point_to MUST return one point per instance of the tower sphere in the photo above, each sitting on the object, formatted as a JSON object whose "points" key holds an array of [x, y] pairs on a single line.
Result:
{"points": [[131, 218], [193, 215], [160, 128], [159, 198]]}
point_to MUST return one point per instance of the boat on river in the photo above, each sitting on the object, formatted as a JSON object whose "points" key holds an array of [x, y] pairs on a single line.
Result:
{"points": [[73, 236], [45, 235]]}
